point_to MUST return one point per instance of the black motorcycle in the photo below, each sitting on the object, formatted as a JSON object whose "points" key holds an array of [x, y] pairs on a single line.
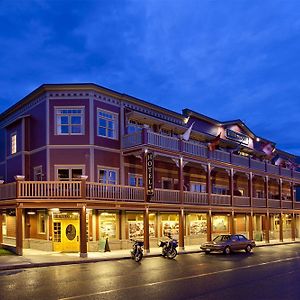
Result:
{"points": [[169, 248], [137, 250]]}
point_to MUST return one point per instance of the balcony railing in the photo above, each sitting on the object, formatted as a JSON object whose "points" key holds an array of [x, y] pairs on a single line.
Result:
{"points": [[241, 201], [287, 204], [198, 149], [49, 189], [259, 202], [166, 196], [8, 191], [223, 200], [274, 203], [98, 191], [195, 198]]}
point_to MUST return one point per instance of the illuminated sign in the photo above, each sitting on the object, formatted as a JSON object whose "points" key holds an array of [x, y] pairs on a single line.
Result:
{"points": [[237, 136], [150, 173]]}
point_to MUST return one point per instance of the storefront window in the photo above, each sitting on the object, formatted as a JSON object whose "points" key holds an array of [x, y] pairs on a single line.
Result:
{"points": [[220, 223], [170, 225], [197, 224], [108, 225]]}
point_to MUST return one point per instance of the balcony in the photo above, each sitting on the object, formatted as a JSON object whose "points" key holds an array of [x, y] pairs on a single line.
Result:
{"points": [[47, 191], [146, 137]]}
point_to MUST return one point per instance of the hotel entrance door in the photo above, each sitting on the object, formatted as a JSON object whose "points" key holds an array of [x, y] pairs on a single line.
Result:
{"points": [[65, 233]]}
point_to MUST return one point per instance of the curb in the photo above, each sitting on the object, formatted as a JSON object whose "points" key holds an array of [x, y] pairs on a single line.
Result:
{"points": [[28, 265]]}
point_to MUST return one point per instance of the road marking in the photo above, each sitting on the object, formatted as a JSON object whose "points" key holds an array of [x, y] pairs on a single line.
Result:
{"points": [[179, 279]]}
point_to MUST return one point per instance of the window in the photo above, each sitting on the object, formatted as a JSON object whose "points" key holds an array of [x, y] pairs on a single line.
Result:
{"points": [[13, 143], [197, 187], [57, 232], [135, 180], [41, 222], [69, 121], [107, 124], [220, 190], [107, 176], [69, 173]]}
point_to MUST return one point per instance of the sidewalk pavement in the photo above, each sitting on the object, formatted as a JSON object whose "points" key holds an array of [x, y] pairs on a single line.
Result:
{"points": [[36, 258]]}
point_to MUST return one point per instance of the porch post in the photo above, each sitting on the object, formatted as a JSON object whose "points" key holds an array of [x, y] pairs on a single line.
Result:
{"points": [[267, 228], [251, 226], [83, 241], [292, 195], [19, 231], [293, 227], [146, 231], [250, 190], [280, 228], [181, 181], [280, 192], [232, 229], [208, 184], [181, 229], [1, 232], [231, 186], [208, 224], [267, 192]]}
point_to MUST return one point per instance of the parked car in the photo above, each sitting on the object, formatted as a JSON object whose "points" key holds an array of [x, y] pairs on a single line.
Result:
{"points": [[227, 243]]}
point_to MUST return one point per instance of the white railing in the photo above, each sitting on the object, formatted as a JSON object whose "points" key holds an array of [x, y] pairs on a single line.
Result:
{"points": [[133, 139], [241, 201], [195, 198], [100, 191], [220, 199], [163, 141], [8, 190], [49, 189], [259, 202], [165, 196]]}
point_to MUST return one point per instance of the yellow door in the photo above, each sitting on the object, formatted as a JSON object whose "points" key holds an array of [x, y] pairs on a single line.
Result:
{"points": [[66, 235]]}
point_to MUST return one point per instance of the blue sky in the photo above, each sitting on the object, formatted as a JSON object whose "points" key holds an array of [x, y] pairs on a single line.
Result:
{"points": [[225, 59]]}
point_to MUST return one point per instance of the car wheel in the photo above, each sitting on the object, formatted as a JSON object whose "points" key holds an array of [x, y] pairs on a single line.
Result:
{"points": [[248, 248], [227, 250]]}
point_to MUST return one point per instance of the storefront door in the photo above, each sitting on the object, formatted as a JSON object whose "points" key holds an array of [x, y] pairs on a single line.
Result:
{"points": [[66, 235]]}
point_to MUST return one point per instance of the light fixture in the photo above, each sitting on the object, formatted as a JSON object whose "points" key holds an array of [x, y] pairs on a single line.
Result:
{"points": [[31, 213]]}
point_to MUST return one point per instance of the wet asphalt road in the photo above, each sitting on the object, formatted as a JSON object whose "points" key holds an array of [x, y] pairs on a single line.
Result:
{"points": [[268, 273]]}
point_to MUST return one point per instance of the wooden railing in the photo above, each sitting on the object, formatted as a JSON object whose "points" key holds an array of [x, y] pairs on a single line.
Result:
{"points": [[114, 192], [198, 149], [220, 199], [274, 203], [259, 202], [49, 189], [195, 198], [8, 191], [241, 201], [287, 204], [165, 196]]}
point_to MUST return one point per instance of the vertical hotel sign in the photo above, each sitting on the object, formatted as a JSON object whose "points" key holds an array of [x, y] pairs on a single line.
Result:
{"points": [[150, 173]]}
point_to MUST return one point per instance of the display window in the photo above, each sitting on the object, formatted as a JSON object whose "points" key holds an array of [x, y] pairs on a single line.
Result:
{"points": [[170, 224], [108, 225], [220, 223], [197, 224]]}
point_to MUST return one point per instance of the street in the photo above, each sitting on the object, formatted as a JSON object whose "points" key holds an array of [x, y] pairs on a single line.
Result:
{"points": [[267, 273]]}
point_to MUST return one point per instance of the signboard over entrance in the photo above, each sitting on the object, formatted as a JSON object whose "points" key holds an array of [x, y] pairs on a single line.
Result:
{"points": [[150, 173]]}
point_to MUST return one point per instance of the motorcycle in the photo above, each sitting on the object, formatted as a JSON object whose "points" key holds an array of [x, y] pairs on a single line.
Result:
{"points": [[137, 250], [169, 248]]}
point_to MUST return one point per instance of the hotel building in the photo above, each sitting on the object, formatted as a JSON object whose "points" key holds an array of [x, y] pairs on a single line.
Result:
{"points": [[80, 163]]}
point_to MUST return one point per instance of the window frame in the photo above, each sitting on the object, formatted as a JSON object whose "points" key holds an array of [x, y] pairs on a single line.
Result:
{"points": [[14, 150], [38, 170], [115, 119], [137, 178], [69, 168], [109, 169], [82, 114]]}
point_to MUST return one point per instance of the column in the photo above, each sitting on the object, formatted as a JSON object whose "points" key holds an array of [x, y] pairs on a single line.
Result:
{"points": [[250, 189], [50, 220], [208, 184], [267, 227], [250, 224], [181, 229], [231, 222], [292, 195], [181, 180], [267, 191], [280, 228], [146, 231], [280, 192], [83, 241], [208, 223], [1, 232], [293, 227], [231, 186], [19, 231]]}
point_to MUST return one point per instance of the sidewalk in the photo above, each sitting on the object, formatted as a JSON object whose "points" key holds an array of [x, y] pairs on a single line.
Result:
{"points": [[35, 258]]}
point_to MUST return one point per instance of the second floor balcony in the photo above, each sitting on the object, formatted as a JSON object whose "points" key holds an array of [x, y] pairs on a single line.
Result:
{"points": [[153, 139]]}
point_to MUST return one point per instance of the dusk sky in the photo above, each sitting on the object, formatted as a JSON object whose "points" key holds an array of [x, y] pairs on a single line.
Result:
{"points": [[225, 59]]}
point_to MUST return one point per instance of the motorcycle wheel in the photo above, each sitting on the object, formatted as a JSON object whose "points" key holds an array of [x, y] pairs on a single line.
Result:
{"points": [[138, 256], [132, 254], [172, 253]]}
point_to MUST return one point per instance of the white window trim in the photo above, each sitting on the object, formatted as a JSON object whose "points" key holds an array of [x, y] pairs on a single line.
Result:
{"points": [[116, 120], [136, 176], [16, 143], [69, 167], [69, 107], [99, 167]]}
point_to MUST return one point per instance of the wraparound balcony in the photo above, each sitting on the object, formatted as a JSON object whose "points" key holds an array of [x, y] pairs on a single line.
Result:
{"points": [[81, 190], [145, 137]]}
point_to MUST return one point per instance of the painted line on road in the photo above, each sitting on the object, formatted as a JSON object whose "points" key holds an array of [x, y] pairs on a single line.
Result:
{"points": [[180, 279]]}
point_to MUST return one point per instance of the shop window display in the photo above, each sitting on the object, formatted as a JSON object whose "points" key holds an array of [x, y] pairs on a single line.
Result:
{"points": [[197, 224], [220, 224], [136, 226], [108, 226], [170, 225]]}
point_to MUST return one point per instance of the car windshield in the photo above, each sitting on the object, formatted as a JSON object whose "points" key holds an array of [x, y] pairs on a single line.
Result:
{"points": [[221, 238]]}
